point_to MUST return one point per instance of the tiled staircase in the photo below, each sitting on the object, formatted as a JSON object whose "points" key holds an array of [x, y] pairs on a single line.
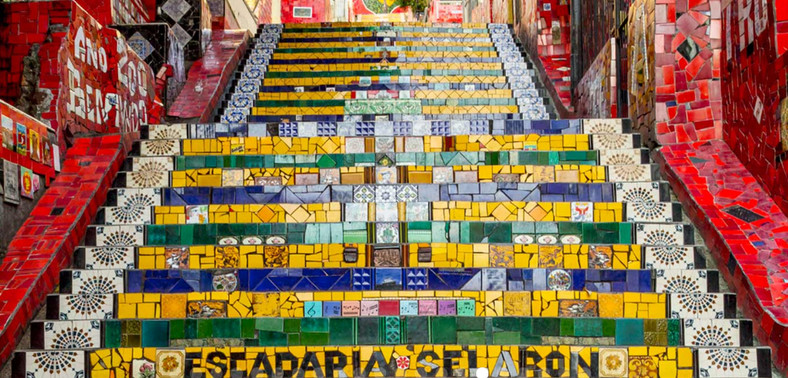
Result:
{"points": [[385, 200]]}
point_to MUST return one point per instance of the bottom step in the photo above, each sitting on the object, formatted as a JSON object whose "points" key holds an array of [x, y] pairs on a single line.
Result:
{"points": [[398, 361]]}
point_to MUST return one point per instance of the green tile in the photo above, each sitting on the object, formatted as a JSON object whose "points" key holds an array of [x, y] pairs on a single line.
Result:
{"points": [[506, 338], [293, 339], [471, 338], [177, 328], [155, 333], [342, 331], [443, 330], [674, 332], [546, 326], [368, 331], [608, 327], [590, 327], [629, 332], [314, 325], [418, 330], [271, 338], [247, 328], [567, 327], [511, 324], [314, 338], [112, 334], [190, 328], [204, 328], [292, 325], [227, 328], [470, 323]]}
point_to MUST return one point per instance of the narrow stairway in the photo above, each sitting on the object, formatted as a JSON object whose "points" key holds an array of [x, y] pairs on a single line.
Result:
{"points": [[390, 200]]}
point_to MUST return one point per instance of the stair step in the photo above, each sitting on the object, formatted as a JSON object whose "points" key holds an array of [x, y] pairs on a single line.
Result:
{"points": [[172, 333], [654, 234], [225, 252], [647, 192]]}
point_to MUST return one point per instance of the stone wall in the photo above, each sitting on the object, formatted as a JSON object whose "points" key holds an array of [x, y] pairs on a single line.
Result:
{"points": [[754, 90]]}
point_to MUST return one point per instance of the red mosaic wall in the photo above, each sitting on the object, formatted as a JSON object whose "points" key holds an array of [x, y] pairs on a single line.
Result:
{"points": [[318, 7], [35, 31], [688, 48], [22, 26], [445, 11], [544, 28], [37, 153], [105, 87], [108, 12], [595, 94], [755, 95], [372, 7]]}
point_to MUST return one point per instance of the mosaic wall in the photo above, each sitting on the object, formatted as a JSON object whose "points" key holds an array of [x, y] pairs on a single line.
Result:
{"points": [[302, 11], [640, 70], [34, 36], [371, 7], [445, 11], [23, 26], [108, 12], [688, 93], [190, 20], [502, 11], [105, 87], [544, 29], [481, 12], [156, 44], [28, 143], [597, 25], [596, 94], [755, 94]]}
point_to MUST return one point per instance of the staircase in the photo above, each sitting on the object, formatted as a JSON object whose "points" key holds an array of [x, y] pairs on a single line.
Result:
{"points": [[390, 200]]}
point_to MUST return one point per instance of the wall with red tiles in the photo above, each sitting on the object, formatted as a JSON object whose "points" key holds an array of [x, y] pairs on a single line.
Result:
{"points": [[688, 48], [318, 8], [34, 31], [543, 26], [595, 94], [104, 86], [34, 149], [754, 92], [108, 12], [445, 11]]}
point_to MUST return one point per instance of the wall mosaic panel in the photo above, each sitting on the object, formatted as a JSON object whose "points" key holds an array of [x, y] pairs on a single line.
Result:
{"points": [[543, 26], [596, 94], [640, 71], [688, 61], [190, 20], [755, 92], [105, 86]]}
